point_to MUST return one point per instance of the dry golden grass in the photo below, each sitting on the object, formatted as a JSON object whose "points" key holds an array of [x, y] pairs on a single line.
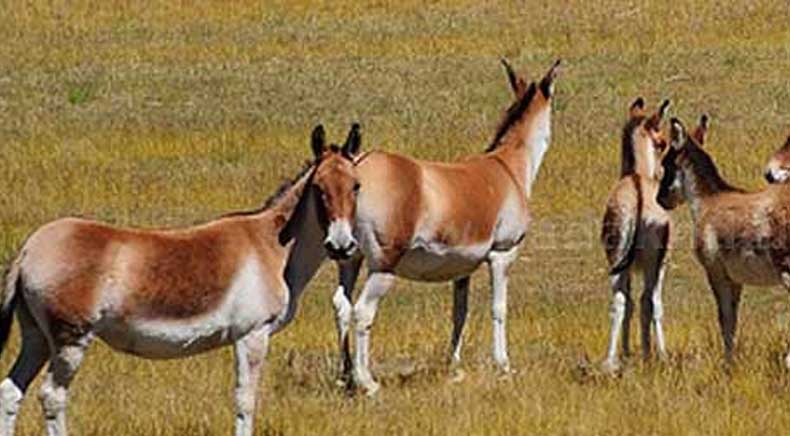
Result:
{"points": [[169, 113]]}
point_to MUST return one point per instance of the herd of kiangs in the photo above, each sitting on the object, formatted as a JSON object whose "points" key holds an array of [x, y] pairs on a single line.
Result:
{"points": [[237, 280]]}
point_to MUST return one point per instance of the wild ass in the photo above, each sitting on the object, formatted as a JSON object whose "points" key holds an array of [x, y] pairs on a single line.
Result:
{"points": [[636, 231], [172, 293], [431, 221], [740, 238], [778, 168]]}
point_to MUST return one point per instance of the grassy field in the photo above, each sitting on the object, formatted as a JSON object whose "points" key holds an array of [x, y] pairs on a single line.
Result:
{"points": [[171, 113]]}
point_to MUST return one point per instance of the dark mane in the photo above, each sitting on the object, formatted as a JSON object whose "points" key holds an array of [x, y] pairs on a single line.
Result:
{"points": [[279, 193], [512, 115], [627, 155], [708, 177]]}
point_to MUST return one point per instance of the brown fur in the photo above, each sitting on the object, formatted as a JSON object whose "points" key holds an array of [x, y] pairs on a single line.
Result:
{"points": [[741, 238]]}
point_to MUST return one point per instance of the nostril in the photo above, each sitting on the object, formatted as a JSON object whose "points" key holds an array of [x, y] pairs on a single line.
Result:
{"points": [[329, 245], [351, 247]]}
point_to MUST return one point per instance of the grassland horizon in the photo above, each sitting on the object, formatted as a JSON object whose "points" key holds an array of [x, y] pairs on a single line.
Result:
{"points": [[160, 114]]}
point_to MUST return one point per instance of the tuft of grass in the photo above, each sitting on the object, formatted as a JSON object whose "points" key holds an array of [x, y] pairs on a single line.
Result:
{"points": [[197, 110]]}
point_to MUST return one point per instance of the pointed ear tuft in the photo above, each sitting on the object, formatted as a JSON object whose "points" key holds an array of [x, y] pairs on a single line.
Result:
{"points": [[517, 84], [353, 142], [547, 83], [637, 108], [700, 134], [677, 134], [318, 141], [662, 110]]}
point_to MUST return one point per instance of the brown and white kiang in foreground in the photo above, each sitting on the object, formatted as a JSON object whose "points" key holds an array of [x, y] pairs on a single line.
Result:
{"points": [[740, 237], [636, 232], [173, 293], [431, 221]]}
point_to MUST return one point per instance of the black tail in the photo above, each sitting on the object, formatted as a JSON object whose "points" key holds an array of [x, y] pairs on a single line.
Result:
{"points": [[6, 319], [13, 289]]}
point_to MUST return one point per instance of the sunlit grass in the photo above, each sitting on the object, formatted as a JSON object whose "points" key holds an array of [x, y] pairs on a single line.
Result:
{"points": [[170, 113]]}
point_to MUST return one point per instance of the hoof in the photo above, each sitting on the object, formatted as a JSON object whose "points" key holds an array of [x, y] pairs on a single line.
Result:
{"points": [[371, 388], [457, 375], [611, 366]]}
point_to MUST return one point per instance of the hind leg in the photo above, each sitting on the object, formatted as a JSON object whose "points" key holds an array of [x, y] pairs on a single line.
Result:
{"points": [[629, 314], [652, 310], [34, 354], [460, 304], [65, 362], [617, 314]]}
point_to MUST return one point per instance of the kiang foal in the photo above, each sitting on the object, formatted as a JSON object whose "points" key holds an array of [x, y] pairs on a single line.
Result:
{"points": [[431, 221], [172, 293], [636, 231], [740, 238]]}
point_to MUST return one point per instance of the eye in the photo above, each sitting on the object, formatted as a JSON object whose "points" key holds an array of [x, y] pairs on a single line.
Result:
{"points": [[356, 188]]}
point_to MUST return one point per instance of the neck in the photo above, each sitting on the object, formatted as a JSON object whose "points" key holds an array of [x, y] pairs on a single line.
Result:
{"points": [[524, 148], [701, 177]]}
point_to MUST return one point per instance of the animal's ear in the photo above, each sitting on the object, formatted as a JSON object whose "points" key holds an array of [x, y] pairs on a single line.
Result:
{"points": [[655, 121], [637, 108], [353, 142], [547, 83], [517, 84], [677, 134], [318, 141], [701, 132]]}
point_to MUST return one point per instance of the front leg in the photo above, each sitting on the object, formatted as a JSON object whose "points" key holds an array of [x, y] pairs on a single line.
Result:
{"points": [[498, 264], [377, 285], [348, 272], [250, 354]]}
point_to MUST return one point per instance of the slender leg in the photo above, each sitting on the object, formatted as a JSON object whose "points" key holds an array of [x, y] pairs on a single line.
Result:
{"points": [[617, 312], [250, 354], [34, 354], [646, 315], [365, 308], [460, 302], [654, 282], [629, 312], [728, 296], [498, 263], [348, 271], [63, 366]]}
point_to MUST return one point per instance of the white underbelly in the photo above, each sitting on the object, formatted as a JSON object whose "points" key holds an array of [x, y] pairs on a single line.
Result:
{"points": [[166, 339], [247, 305], [438, 262]]}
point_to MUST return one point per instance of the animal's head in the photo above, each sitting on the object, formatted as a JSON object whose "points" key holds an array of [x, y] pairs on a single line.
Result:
{"points": [[527, 120], [778, 168], [643, 143], [670, 193], [336, 186]]}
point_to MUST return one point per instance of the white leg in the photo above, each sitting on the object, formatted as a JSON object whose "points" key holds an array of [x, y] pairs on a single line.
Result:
{"points": [[348, 272], [498, 263], [658, 313], [65, 362], [617, 316], [32, 357], [250, 354], [460, 303], [364, 313]]}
